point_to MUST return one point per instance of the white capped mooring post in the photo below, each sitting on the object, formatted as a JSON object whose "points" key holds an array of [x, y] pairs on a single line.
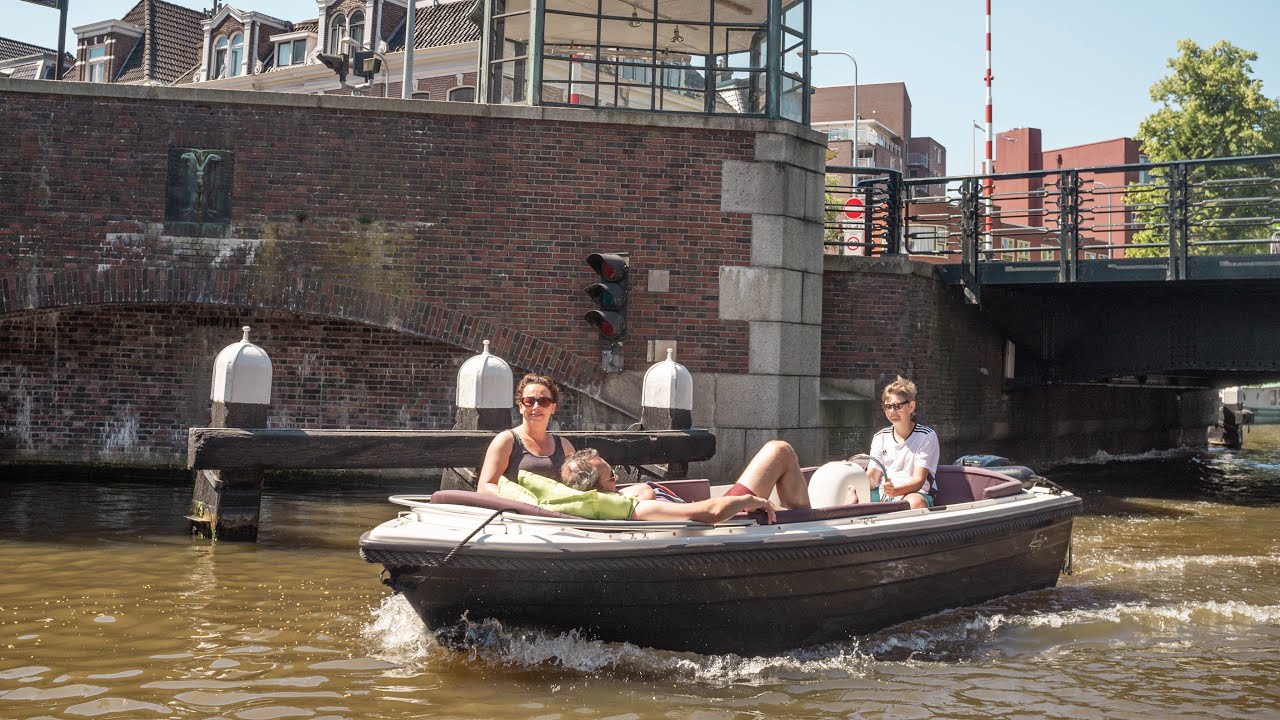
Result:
{"points": [[666, 403], [485, 396], [667, 399], [225, 504]]}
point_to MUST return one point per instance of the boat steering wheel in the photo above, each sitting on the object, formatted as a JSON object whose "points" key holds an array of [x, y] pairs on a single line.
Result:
{"points": [[869, 459]]}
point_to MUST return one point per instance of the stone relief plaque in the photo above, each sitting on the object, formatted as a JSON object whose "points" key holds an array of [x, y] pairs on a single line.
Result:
{"points": [[198, 192]]}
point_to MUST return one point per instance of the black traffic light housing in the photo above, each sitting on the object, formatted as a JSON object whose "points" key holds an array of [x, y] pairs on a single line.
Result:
{"points": [[366, 64], [610, 294], [337, 63]]}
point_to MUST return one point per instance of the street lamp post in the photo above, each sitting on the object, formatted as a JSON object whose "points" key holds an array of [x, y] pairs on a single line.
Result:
{"points": [[410, 23], [853, 178], [973, 136], [855, 92]]}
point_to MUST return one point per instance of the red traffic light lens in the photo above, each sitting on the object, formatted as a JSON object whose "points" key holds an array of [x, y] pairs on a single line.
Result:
{"points": [[610, 266], [609, 324]]}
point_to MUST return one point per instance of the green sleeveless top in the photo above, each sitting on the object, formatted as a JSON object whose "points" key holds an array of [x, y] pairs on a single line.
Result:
{"points": [[550, 495]]}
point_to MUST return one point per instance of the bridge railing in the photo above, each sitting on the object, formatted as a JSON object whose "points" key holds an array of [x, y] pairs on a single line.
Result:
{"points": [[1049, 225]]}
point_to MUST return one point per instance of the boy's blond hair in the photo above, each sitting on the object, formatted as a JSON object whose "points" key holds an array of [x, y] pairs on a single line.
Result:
{"points": [[902, 388]]}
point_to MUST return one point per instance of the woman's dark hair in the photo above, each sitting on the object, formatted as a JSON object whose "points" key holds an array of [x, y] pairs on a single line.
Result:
{"points": [[535, 379]]}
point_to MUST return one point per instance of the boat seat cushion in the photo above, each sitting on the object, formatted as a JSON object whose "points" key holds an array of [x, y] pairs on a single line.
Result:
{"points": [[691, 490], [493, 502], [958, 484], [830, 513]]}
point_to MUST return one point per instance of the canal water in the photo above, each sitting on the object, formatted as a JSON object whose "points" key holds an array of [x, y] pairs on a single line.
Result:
{"points": [[108, 610]]}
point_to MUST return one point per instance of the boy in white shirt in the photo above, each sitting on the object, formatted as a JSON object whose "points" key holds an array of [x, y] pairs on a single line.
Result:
{"points": [[905, 453]]}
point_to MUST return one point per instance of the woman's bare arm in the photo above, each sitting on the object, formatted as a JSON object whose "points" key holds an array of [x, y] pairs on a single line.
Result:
{"points": [[496, 459]]}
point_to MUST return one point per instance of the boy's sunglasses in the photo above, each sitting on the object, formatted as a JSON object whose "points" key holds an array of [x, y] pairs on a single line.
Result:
{"points": [[896, 406], [539, 401]]}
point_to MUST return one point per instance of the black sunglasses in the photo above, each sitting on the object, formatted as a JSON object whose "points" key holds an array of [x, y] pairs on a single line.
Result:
{"points": [[539, 401], [897, 405]]}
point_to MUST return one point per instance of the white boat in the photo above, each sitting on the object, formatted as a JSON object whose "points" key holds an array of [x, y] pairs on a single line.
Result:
{"points": [[739, 586]]}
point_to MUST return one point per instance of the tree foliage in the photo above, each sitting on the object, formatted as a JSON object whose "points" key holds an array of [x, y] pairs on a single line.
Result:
{"points": [[831, 216], [1210, 106]]}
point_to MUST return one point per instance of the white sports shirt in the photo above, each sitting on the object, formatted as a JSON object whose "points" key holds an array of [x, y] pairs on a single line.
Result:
{"points": [[900, 459]]}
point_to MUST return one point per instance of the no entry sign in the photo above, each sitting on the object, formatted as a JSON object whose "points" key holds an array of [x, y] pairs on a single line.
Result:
{"points": [[853, 208]]}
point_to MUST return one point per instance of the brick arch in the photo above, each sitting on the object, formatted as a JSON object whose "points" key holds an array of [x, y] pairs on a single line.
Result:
{"points": [[46, 290]]}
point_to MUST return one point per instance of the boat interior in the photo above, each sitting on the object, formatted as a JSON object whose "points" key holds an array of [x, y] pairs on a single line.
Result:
{"points": [[956, 484]]}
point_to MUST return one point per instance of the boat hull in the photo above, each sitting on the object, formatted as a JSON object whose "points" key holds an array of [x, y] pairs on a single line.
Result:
{"points": [[744, 598]]}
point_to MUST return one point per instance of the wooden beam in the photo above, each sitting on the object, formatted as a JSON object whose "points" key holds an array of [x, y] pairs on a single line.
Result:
{"points": [[271, 449]]}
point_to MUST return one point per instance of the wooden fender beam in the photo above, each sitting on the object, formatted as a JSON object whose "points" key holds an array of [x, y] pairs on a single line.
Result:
{"points": [[272, 449]]}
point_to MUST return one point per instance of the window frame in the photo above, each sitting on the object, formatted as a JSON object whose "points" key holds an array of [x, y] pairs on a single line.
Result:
{"points": [[97, 65], [235, 54], [337, 31], [352, 25], [220, 57]]}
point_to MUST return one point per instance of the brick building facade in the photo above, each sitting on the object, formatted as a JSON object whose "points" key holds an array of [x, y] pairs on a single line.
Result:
{"points": [[161, 43], [437, 225], [1023, 201]]}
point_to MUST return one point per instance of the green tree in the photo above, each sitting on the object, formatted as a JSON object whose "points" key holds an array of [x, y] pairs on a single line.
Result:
{"points": [[832, 232], [1210, 105]]}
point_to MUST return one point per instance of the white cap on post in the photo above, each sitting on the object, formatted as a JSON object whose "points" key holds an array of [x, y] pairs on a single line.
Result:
{"points": [[668, 385], [242, 374], [485, 381]]}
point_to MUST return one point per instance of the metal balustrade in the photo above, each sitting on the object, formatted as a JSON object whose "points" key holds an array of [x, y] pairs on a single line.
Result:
{"points": [[1185, 220]]}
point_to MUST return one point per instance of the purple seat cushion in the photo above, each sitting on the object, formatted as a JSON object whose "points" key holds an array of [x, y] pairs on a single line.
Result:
{"points": [[830, 513], [960, 484], [492, 502], [690, 490]]}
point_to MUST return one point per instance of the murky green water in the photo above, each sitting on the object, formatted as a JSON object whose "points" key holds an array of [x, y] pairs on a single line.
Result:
{"points": [[107, 609]]}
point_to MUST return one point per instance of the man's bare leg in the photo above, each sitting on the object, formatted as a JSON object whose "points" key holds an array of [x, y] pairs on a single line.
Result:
{"points": [[777, 466]]}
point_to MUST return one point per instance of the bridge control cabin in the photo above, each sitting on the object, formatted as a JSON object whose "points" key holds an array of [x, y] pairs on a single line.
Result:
{"points": [[718, 57]]}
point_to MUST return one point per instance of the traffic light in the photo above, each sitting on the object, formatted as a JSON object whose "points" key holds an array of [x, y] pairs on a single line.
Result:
{"points": [[366, 64], [610, 294], [336, 63]]}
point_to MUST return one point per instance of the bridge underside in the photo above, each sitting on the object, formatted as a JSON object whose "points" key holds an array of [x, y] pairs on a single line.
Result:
{"points": [[1180, 334]]}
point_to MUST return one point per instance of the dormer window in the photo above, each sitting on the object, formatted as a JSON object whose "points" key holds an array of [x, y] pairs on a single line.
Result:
{"points": [[220, 58], [291, 53], [357, 27], [237, 54], [337, 31], [97, 64]]}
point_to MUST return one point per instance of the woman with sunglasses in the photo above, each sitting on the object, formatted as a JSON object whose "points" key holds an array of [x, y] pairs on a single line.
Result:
{"points": [[530, 445], [906, 452]]}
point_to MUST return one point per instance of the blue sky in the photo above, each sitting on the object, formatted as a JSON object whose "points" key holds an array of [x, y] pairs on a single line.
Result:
{"points": [[1078, 70]]}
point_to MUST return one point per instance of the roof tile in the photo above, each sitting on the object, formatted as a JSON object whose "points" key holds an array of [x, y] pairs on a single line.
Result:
{"points": [[446, 24], [176, 41]]}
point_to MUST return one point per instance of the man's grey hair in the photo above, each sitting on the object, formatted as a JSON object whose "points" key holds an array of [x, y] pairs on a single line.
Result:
{"points": [[579, 472]]}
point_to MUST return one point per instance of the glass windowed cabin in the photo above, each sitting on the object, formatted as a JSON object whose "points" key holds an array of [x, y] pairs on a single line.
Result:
{"points": [[719, 57]]}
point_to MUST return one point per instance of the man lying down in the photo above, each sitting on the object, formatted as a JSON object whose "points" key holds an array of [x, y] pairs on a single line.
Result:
{"points": [[589, 489]]}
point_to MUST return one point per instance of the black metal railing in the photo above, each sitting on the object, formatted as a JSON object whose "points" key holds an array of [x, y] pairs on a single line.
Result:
{"points": [[1051, 225]]}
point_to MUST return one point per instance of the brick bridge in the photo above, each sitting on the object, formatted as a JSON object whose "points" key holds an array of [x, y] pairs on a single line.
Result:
{"points": [[374, 244]]}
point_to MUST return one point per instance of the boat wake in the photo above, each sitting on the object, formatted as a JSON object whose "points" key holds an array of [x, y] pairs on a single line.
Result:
{"points": [[1026, 625], [1102, 457]]}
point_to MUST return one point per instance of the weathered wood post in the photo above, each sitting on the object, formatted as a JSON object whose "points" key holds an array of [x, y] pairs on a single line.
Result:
{"points": [[225, 503], [485, 395], [667, 403]]}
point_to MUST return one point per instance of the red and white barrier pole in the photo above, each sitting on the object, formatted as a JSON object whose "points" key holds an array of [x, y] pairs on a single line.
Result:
{"points": [[990, 165], [575, 75]]}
